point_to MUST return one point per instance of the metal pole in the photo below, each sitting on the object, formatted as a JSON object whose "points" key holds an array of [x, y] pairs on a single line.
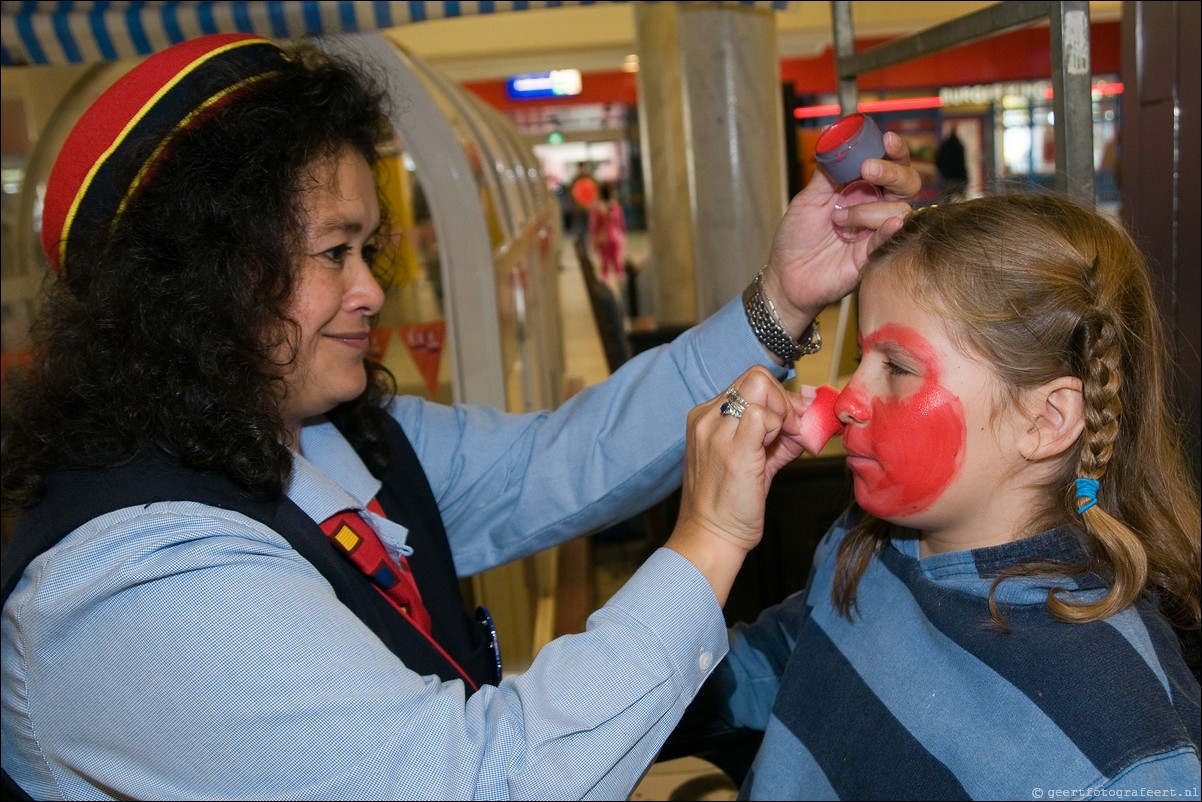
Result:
{"points": [[1072, 99]]}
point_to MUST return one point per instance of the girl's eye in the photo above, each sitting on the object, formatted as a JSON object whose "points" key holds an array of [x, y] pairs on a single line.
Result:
{"points": [[370, 252], [895, 369]]}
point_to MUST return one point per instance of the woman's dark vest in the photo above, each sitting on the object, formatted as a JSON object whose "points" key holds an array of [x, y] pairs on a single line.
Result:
{"points": [[75, 497]]}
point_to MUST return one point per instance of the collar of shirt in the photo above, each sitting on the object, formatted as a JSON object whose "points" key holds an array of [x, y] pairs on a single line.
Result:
{"points": [[328, 477], [974, 571]]}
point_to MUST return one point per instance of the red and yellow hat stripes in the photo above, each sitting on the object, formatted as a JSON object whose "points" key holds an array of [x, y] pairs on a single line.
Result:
{"points": [[94, 177]]}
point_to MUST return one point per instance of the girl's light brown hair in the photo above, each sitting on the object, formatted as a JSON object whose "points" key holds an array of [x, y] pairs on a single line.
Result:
{"points": [[1040, 288]]}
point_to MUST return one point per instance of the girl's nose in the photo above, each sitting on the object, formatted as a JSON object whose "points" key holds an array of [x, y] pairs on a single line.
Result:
{"points": [[852, 406]]}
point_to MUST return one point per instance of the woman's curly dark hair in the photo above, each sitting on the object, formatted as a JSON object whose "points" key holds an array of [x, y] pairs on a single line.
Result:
{"points": [[167, 339]]}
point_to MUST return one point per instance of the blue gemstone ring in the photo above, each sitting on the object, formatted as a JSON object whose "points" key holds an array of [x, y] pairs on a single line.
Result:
{"points": [[735, 404]]}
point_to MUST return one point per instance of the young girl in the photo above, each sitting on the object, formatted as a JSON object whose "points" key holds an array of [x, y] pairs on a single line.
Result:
{"points": [[607, 233], [998, 615]]}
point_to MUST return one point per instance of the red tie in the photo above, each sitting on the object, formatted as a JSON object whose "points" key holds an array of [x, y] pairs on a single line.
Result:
{"points": [[352, 535]]}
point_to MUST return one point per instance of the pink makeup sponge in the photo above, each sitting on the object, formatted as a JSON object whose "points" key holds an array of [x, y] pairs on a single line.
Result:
{"points": [[819, 422]]}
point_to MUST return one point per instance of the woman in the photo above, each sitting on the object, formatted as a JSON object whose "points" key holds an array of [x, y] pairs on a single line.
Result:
{"points": [[236, 572]]}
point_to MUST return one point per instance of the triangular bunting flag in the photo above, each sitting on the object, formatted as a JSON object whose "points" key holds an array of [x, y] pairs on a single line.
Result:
{"points": [[424, 341], [377, 343]]}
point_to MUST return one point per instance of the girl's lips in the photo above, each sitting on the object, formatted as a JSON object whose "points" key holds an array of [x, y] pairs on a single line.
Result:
{"points": [[854, 455], [851, 444], [864, 468]]}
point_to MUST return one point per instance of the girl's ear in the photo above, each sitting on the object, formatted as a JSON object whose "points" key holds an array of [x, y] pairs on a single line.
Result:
{"points": [[1056, 412]]}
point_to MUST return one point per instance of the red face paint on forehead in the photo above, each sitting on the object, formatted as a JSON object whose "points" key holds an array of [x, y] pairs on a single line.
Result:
{"points": [[905, 449]]}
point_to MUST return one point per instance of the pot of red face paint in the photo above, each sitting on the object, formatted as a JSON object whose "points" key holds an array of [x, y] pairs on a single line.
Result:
{"points": [[843, 147], [841, 150]]}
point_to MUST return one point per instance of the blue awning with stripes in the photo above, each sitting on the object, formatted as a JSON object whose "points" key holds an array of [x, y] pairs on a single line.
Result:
{"points": [[86, 32]]}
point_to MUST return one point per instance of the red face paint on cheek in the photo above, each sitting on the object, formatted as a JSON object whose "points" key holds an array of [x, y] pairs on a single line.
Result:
{"points": [[909, 449]]}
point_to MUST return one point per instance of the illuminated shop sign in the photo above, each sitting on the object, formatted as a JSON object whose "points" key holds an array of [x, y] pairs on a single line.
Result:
{"points": [[557, 83], [981, 95], [1014, 93]]}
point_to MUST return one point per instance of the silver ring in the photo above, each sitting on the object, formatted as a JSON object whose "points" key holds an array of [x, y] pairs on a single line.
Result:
{"points": [[735, 404]]}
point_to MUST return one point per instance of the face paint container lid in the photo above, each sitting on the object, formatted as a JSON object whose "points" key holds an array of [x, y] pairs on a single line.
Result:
{"points": [[843, 147]]}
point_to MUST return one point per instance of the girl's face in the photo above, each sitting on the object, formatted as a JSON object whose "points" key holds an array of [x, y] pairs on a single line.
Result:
{"points": [[336, 294], [921, 442]]}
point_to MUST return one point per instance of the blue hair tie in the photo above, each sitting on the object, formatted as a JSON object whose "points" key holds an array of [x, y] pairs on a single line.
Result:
{"points": [[1087, 488]]}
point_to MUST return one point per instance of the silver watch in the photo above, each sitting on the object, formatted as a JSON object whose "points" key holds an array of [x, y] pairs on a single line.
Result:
{"points": [[766, 324]]}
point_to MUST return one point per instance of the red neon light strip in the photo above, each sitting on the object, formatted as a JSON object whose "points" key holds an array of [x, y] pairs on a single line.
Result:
{"points": [[1096, 89], [832, 109], [829, 110], [905, 104], [899, 105]]}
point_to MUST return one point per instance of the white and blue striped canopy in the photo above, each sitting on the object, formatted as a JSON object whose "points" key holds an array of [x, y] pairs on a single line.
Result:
{"points": [[86, 32]]}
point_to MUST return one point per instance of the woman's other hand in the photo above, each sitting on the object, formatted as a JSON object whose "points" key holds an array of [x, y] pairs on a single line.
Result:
{"points": [[810, 266], [729, 464]]}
